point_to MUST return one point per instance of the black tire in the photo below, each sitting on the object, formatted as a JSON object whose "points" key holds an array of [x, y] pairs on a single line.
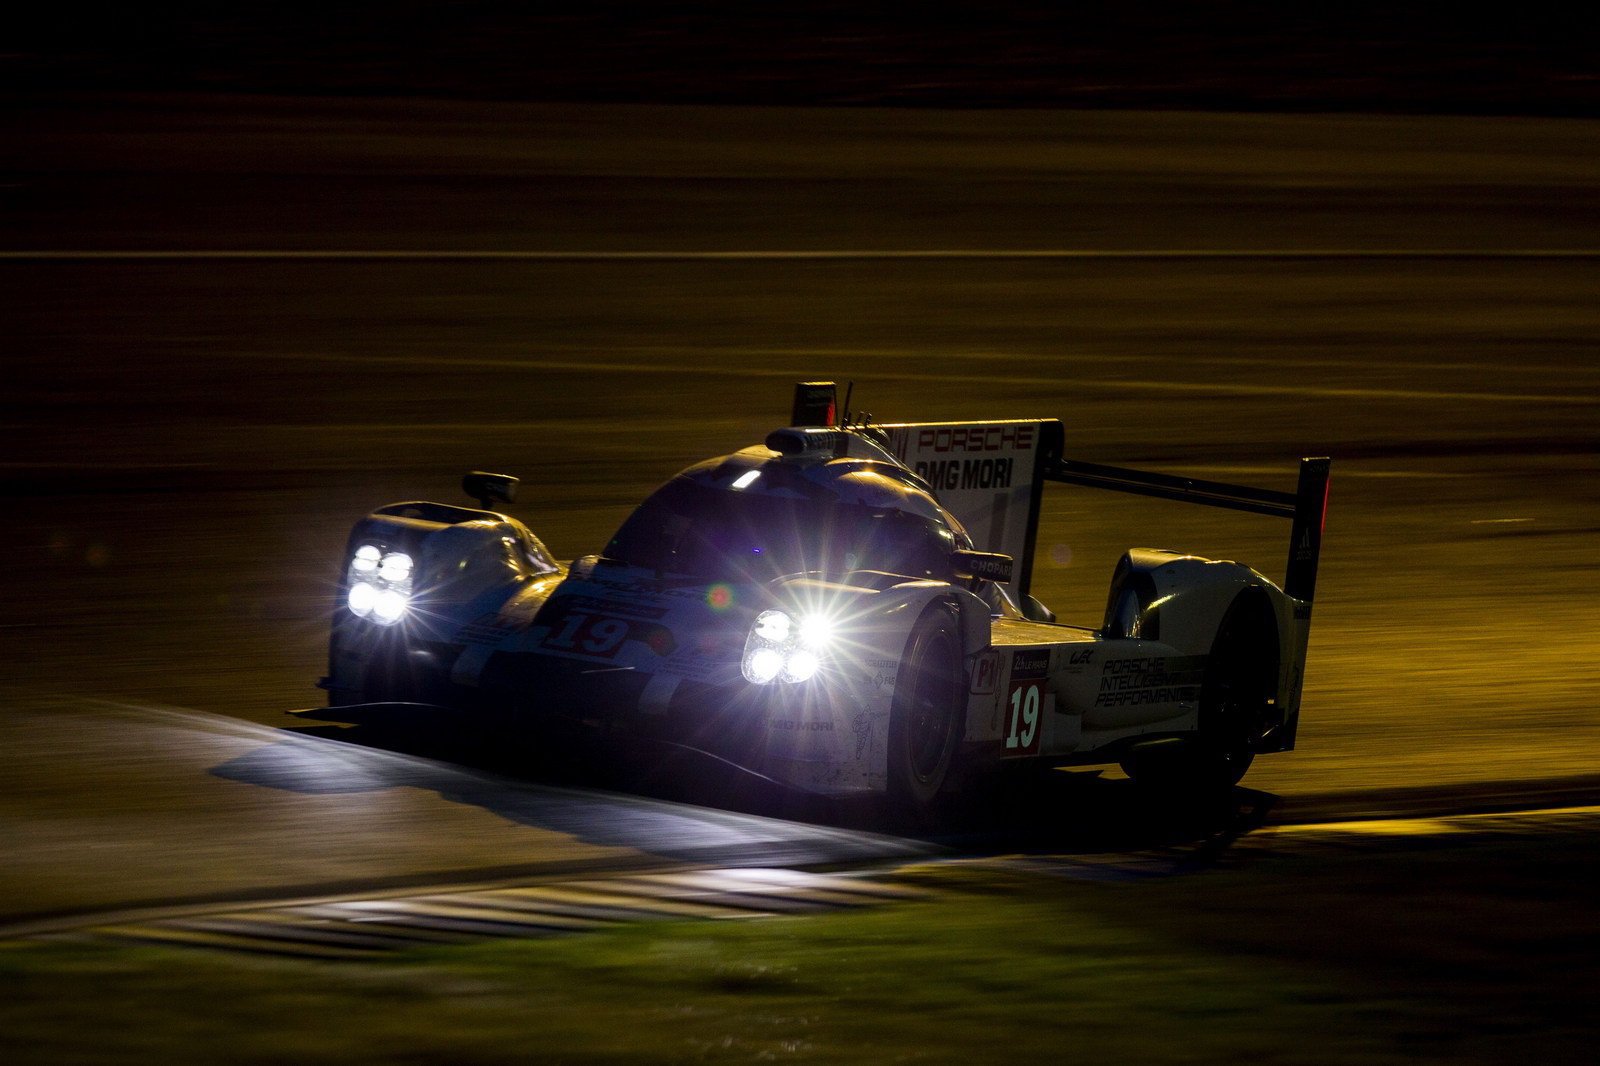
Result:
{"points": [[1235, 697], [927, 718], [1233, 706]]}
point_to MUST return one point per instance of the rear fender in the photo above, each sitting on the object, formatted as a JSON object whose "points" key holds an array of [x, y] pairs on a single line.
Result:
{"points": [[1183, 601], [1180, 599]]}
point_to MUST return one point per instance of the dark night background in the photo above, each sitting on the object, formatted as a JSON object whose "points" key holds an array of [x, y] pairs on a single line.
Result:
{"points": [[266, 266], [1408, 57]]}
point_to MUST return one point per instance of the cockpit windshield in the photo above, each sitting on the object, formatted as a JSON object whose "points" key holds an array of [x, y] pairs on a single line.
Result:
{"points": [[696, 530]]}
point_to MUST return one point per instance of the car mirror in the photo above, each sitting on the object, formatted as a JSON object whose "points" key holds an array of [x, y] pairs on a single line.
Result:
{"points": [[991, 566]]}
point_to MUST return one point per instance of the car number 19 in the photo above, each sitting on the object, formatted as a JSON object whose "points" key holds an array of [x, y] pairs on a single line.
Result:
{"points": [[593, 636], [1023, 717]]}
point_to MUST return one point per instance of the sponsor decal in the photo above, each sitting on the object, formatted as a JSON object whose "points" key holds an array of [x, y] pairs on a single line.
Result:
{"points": [[861, 729], [988, 565], [1033, 663], [1079, 661], [985, 673], [884, 672], [970, 438], [947, 474], [1137, 682]]}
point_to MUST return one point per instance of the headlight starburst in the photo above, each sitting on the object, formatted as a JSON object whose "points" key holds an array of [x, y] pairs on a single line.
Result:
{"points": [[779, 648], [380, 584]]}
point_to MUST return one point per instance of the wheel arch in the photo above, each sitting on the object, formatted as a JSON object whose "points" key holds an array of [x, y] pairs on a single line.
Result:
{"points": [[1186, 600]]}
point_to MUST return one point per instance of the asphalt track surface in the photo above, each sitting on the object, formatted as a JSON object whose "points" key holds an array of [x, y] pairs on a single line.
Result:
{"points": [[233, 325], [197, 810]]}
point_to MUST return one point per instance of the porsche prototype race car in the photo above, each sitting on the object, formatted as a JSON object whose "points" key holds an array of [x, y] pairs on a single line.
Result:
{"points": [[845, 608]]}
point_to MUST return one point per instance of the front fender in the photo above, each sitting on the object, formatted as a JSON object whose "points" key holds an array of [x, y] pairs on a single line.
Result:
{"points": [[873, 623], [878, 615]]}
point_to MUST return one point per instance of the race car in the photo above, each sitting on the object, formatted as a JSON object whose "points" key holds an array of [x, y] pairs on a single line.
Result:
{"points": [[845, 608]]}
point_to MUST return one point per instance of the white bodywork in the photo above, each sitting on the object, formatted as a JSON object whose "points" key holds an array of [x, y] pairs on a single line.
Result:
{"points": [[513, 626]]}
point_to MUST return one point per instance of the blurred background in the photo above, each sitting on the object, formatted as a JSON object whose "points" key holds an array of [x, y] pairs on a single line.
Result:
{"points": [[265, 267], [1237, 55]]}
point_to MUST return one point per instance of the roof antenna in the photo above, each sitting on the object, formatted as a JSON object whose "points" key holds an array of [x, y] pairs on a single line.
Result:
{"points": [[849, 389]]}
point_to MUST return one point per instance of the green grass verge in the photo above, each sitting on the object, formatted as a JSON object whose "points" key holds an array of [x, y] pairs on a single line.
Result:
{"points": [[1470, 953]]}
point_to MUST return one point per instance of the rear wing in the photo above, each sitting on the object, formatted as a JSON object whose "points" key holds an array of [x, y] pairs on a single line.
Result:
{"points": [[1306, 507], [991, 475]]}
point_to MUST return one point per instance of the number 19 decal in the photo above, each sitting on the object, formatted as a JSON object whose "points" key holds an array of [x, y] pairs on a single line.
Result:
{"points": [[592, 636], [1024, 716]]}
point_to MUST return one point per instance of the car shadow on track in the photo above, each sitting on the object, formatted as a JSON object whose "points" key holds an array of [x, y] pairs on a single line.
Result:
{"points": [[1055, 812]]}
